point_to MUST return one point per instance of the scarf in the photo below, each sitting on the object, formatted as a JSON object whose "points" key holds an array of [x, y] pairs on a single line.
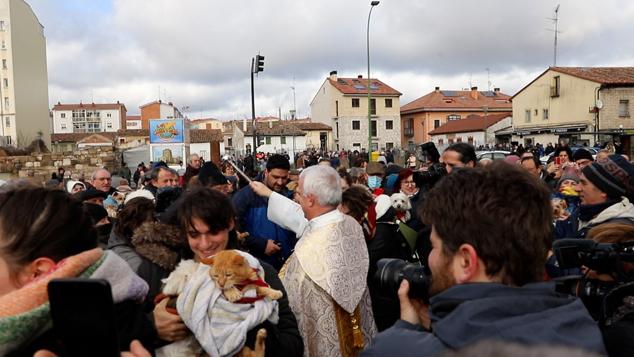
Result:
{"points": [[25, 313], [588, 212]]}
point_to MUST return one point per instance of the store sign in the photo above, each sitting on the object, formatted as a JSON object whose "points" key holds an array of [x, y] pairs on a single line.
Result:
{"points": [[167, 131]]}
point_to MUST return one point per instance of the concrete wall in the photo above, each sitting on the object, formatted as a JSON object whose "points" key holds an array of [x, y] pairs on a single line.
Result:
{"points": [[276, 143], [312, 138], [609, 115]]}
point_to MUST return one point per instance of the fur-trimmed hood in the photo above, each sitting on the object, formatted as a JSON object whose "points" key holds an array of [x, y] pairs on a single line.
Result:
{"points": [[161, 243]]}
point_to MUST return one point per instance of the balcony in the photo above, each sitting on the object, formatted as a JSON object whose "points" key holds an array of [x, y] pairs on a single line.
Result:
{"points": [[408, 132]]}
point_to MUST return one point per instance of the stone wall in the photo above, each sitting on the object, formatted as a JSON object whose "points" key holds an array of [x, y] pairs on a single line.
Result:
{"points": [[81, 161]]}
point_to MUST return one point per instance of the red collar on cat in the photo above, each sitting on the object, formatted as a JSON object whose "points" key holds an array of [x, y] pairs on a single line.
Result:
{"points": [[259, 282]]}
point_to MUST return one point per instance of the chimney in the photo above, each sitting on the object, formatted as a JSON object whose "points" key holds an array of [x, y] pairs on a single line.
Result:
{"points": [[496, 90], [437, 89], [333, 76], [118, 102], [360, 76], [270, 124], [244, 125], [474, 93]]}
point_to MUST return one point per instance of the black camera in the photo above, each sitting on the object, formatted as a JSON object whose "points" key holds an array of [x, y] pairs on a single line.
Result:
{"points": [[391, 272], [429, 152], [602, 298]]}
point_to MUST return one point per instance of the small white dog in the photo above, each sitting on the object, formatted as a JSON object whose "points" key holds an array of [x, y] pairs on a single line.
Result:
{"points": [[402, 205]]}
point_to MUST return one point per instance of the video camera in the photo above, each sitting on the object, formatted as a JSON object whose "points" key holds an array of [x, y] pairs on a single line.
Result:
{"points": [[391, 272], [435, 171], [603, 298]]}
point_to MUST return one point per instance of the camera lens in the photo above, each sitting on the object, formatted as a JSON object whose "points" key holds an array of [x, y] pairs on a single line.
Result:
{"points": [[391, 272]]}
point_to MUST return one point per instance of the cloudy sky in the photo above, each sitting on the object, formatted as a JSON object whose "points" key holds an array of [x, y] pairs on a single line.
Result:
{"points": [[197, 53]]}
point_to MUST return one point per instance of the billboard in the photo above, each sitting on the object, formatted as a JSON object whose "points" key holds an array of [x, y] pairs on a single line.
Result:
{"points": [[170, 154], [167, 131]]}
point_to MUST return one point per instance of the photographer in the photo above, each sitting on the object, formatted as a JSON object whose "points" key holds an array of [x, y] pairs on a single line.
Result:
{"points": [[487, 264]]}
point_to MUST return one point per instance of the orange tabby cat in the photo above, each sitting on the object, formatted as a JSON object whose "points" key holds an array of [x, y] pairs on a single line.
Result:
{"points": [[234, 276], [260, 347]]}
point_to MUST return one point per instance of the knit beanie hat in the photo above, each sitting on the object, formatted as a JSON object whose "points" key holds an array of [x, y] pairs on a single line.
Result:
{"points": [[610, 175], [375, 168], [95, 211], [570, 174], [581, 154], [209, 174]]}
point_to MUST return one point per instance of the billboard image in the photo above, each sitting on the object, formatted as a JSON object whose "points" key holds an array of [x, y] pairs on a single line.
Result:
{"points": [[170, 154], [167, 131]]}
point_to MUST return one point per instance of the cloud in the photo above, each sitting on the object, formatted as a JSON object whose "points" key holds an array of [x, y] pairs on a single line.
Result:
{"points": [[199, 51]]}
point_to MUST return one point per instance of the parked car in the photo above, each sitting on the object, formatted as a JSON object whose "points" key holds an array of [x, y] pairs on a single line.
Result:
{"points": [[546, 159], [493, 155]]}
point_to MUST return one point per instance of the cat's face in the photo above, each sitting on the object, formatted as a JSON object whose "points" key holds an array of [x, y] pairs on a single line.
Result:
{"points": [[228, 269]]}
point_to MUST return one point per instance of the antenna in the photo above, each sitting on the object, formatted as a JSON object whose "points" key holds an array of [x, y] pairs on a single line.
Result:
{"points": [[294, 115], [489, 79], [470, 75], [556, 31]]}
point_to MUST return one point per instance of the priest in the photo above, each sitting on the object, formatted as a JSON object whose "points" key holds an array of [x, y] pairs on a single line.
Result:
{"points": [[325, 277]]}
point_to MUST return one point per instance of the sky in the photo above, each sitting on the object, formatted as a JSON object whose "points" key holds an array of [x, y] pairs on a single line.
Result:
{"points": [[197, 53]]}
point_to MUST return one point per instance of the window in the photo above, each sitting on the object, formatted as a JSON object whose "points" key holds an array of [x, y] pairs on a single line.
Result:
{"points": [[4, 64], [624, 108], [441, 142], [6, 102], [109, 115], [470, 140], [389, 146], [450, 141], [86, 121], [63, 126], [2, 25], [388, 103], [373, 128], [453, 117], [389, 125], [436, 123], [355, 102], [283, 140], [459, 139], [527, 116], [336, 108], [8, 139], [5, 82], [109, 125], [4, 45], [267, 140], [230, 142], [63, 115], [373, 106], [337, 129], [555, 87], [536, 113], [545, 114], [7, 122], [356, 125], [356, 145]]}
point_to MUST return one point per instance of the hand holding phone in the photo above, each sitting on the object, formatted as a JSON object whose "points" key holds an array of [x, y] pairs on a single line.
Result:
{"points": [[558, 161]]}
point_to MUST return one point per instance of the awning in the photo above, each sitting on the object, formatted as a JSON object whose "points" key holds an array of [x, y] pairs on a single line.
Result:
{"points": [[551, 130]]}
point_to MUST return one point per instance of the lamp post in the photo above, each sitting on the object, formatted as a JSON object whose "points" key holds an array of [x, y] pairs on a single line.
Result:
{"points": [[372, 5]]}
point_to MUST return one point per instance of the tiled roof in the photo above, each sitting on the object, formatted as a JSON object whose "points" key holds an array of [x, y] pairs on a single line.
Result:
{"points": [[75, 137], [602, 75], [359, 86], [95, 139], [457, 100], [277, 128], [91, 106], [205, 135], [204, 119], [311, 126], [133, 132], [133, 117], [469, 124]]}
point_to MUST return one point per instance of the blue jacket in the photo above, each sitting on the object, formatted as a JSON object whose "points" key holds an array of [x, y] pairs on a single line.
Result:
{"points": [[251, 215], [468, 313]]}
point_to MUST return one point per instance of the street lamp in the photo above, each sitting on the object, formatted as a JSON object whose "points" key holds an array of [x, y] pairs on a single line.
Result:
{"points": [[372, 5]]}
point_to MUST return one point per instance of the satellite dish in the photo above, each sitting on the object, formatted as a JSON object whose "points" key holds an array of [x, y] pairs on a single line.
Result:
{"points": [[599, 104]]}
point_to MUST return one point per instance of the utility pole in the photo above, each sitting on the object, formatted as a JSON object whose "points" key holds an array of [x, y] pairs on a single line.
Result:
{"points": [[556, 21], [257, 65]]}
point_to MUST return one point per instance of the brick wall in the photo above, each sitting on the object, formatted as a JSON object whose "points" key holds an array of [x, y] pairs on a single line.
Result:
{"points": [[609, 114]]}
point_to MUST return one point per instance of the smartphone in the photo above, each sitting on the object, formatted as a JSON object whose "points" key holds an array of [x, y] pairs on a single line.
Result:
{"points": [[557, 160], [83, 317]]}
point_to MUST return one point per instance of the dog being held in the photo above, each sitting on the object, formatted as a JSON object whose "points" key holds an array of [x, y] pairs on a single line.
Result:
{"points": [[402, 205]]}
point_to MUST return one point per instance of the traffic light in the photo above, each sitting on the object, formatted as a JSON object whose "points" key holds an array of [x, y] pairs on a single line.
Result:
{"points": [[259, 64]]}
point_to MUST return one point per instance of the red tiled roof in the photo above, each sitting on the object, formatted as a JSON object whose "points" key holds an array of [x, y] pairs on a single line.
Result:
{"points": [[95, 139], [603, 75], [205, 135], [359, 86], [204, 119], [93, 106], [133, 117], [133, 132], [469, 124], [311, 126], [456, 100], [75, 137]]}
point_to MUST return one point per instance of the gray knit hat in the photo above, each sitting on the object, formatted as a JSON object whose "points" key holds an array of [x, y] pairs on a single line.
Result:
{"points": [[610, 175], [570, 174]]}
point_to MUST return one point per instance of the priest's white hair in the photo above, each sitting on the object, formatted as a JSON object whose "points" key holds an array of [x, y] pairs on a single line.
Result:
{"points": [[323, 182]]}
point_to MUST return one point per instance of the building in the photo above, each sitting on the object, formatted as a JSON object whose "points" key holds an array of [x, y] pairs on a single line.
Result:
{"points": [[24, 114], [158, 110], [207, 143], [576, 105], [274, 137], [476, 130], [436, 108], [133, 122], [88, 118], [318, 135], [342, 104], [209, 123]]}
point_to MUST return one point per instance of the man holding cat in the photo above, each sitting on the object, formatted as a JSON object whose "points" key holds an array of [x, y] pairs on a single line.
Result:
{"points": [[325, 278]]}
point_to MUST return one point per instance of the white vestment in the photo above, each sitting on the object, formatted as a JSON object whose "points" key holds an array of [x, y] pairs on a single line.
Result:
{"points": [[329, 265]]}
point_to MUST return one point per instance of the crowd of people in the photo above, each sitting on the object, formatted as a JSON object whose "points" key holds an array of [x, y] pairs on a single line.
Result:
{"points": [[482, 237]]}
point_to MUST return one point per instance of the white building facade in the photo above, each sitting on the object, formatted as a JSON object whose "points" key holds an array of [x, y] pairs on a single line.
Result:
{"points": [[88, 118]]}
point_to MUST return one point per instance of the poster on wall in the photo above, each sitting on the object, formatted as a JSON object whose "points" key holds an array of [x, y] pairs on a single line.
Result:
{"points": [[167, 131], [172, 155]]}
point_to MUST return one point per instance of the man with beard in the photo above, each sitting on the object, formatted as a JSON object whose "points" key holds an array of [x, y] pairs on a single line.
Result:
{"points": [[266, 241], [491, 232]]}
